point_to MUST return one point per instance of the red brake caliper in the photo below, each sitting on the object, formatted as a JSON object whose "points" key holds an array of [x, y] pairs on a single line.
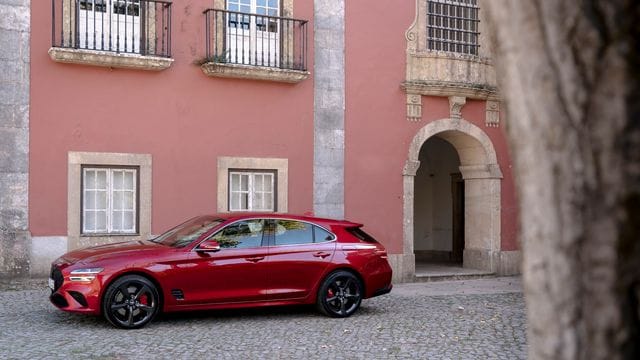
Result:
{"points": [[144, 299]]}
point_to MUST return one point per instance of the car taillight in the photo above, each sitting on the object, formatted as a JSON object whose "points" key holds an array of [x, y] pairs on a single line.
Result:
{"points": [[382, 253]]}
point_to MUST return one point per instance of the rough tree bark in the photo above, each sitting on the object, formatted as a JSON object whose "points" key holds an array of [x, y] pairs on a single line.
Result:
{"points": [[569, 73]]}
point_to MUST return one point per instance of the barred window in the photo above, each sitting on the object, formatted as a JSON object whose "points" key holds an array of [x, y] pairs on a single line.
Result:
{"points": [[452, 26]]}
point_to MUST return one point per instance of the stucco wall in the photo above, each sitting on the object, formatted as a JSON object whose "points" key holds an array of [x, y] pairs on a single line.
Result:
{"points": [[378, 134], [184, 119]]}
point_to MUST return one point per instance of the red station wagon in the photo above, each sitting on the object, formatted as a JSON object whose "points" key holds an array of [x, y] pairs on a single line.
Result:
{"points": [[225, 261]]}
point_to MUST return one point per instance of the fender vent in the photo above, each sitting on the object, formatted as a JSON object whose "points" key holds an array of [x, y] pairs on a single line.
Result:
{"points": [[177, 294]]}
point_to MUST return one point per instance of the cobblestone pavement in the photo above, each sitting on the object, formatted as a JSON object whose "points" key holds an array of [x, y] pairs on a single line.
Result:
{"points": [[473, 319]]}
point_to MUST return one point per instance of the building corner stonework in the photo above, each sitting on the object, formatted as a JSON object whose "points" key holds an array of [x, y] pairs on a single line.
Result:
{"points": [[15, 238], [329, 108]]}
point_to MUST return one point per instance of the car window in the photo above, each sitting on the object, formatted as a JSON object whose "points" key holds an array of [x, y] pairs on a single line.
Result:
{"points": [[360, 234], [321, 235], [187, 232], [239, 235], [290, 232]]}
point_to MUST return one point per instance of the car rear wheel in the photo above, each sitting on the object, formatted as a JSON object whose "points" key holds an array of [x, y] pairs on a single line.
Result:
{"points": [[340, 294], [131, 302]]}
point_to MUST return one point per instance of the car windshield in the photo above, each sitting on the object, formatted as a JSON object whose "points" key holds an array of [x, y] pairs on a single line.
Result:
{"points": [[187, 232]]}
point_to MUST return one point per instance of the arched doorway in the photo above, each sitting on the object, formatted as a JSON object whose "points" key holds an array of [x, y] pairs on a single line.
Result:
{"points": [[438, 231], [480, 176]]}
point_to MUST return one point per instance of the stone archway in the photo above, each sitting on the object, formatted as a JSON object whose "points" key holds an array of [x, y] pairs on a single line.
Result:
{"points": [[481, 175]]}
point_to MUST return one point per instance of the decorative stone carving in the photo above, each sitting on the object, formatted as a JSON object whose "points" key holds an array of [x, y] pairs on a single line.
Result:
{"points": [[414, 107], [455, 106], [441, 73], [444, 88], [493, 113], [411, 167]]}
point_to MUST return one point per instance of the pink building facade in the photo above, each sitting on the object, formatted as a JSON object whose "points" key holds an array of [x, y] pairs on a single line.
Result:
{"points": [[145, 113]]}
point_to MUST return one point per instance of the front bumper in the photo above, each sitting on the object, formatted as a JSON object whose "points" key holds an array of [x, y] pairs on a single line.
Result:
{"points": [[74, 296]]}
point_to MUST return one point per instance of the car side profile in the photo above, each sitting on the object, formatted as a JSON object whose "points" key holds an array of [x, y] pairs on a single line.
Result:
{"points": [[225, 261]]}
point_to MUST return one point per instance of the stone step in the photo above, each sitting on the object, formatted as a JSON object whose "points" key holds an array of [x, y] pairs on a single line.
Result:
{"points": [[430, 277]]}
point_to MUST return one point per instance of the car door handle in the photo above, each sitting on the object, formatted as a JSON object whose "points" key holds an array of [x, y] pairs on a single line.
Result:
{"points": [[321, 254], [255, 259]]}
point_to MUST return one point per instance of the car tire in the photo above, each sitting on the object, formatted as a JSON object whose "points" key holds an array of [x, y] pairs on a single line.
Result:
{"points": [[340, 294], [130, 302]]}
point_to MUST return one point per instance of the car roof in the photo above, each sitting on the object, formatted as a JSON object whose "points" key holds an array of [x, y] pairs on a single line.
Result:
{"points": [[240, 216]]}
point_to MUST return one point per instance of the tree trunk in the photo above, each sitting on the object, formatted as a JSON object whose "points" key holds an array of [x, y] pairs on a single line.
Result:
{"points": [[569, 73]]}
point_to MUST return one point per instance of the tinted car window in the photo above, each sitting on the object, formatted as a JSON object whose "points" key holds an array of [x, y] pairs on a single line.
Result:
{"points": [[321, 235], [187, 232], [360, 234], [239, 235], [289, 232]]}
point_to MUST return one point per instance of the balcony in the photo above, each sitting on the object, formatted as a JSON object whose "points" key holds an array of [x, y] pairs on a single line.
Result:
{"points": [[134, 34], [253, 46]]}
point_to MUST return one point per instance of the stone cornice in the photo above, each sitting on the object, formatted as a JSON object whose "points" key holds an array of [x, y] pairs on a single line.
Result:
{"points": [[433, 54], [237, 71], [446, 88], [109, 59]]}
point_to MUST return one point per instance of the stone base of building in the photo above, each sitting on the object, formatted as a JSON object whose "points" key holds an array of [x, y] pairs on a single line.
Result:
{"points": [[510, 263], [404, 267], [502, 263], [45, 249], [14, 253]]}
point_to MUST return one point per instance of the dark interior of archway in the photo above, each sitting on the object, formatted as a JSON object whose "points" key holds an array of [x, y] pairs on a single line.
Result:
{"points": [[438, 204]]}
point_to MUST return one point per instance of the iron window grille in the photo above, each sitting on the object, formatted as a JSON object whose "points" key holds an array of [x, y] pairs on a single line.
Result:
{"points": [[452, 26], [263, 39], [141, 27]]}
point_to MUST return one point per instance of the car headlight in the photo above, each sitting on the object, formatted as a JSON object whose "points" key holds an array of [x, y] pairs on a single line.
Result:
{"points": [[87, 274]]}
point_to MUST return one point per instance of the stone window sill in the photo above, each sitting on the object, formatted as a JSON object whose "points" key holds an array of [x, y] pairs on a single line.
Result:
{"points": [[109, 59], [237, 71]]}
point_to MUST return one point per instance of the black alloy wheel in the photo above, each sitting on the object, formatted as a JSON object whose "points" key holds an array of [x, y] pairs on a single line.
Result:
{"points": [[340, 294], [131, 302]]}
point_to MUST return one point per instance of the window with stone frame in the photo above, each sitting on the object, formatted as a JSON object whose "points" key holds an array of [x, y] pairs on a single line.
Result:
{"points": [[234, 192], [452, 26], [109, 200]]}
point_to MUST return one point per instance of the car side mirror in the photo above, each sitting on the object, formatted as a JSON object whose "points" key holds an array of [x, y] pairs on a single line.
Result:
{"points": [[208, 246]]}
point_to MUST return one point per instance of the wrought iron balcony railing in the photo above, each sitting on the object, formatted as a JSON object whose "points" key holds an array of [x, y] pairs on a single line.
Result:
{"points": [[120, 26], [256, 40]]}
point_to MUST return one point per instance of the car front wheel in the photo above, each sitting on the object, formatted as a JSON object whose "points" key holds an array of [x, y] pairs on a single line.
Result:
{"points": [[131, 302], [340, 294]]}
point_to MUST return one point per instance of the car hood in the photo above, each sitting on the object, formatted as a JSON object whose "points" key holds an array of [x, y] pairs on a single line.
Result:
{"points": [[103, 252]]}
